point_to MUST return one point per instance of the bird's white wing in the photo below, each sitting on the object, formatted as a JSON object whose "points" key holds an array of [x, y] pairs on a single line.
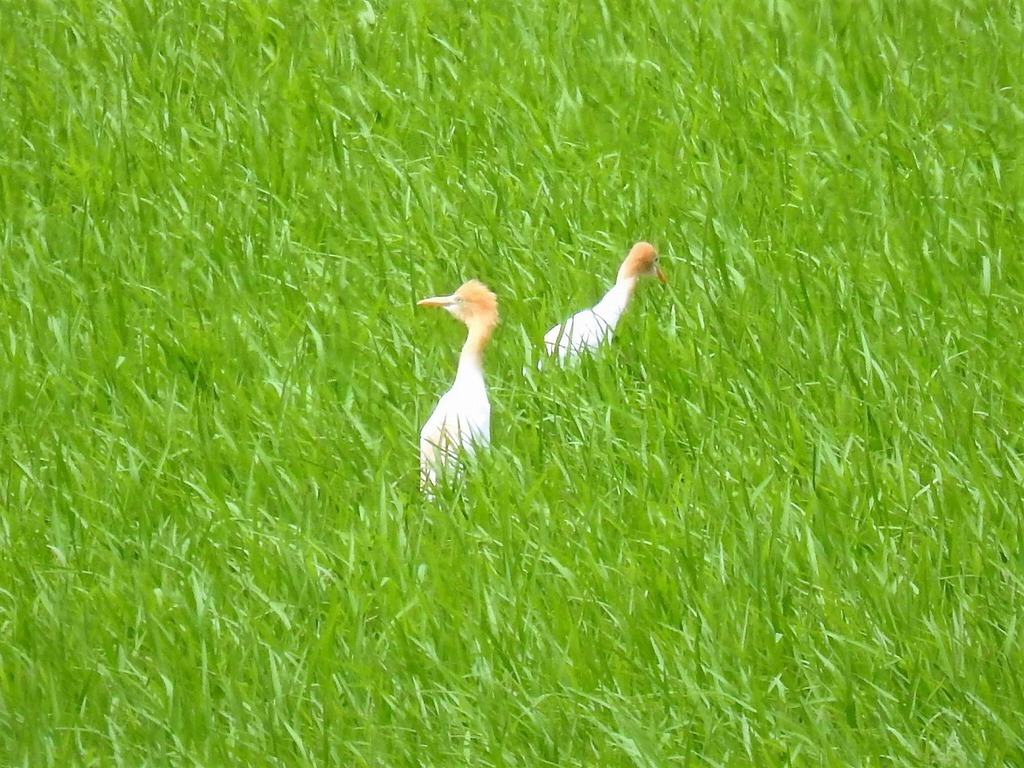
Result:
{"points": [[585, 331], [461, 421]]}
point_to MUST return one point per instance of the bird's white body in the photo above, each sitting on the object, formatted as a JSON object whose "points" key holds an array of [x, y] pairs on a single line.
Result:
{"points": [[461, 421], [588, 329]]}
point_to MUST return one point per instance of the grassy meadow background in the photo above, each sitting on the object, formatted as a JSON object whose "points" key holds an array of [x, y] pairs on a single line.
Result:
{"points": [[778, 522]]}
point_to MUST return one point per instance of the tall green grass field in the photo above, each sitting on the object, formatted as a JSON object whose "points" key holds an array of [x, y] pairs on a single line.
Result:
{"points": [[777, 522]]}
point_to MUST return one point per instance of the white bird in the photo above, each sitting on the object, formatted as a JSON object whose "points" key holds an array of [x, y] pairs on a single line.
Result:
{"points": [[590, 328], [462, 419]]}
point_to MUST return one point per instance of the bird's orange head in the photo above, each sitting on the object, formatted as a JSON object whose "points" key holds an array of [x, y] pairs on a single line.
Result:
{"points": [[472, 303], [642, 261]]}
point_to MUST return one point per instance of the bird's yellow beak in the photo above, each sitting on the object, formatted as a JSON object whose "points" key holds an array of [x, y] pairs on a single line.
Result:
{"points": [[436, 301], [660, 274]]}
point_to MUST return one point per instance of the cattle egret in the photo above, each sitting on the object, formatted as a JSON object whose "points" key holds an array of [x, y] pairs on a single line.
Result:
{"points": [[589, 329], [462, 418]]}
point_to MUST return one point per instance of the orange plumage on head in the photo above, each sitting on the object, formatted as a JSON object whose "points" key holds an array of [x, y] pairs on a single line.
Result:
{"points": [[642, 261]]}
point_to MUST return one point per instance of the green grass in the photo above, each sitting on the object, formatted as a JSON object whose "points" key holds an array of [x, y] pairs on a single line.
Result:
{"points": [[777, 523]]}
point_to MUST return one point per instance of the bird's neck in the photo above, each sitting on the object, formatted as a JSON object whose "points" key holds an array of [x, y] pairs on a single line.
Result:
{"points": [[471, 360], [614, 303]]}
